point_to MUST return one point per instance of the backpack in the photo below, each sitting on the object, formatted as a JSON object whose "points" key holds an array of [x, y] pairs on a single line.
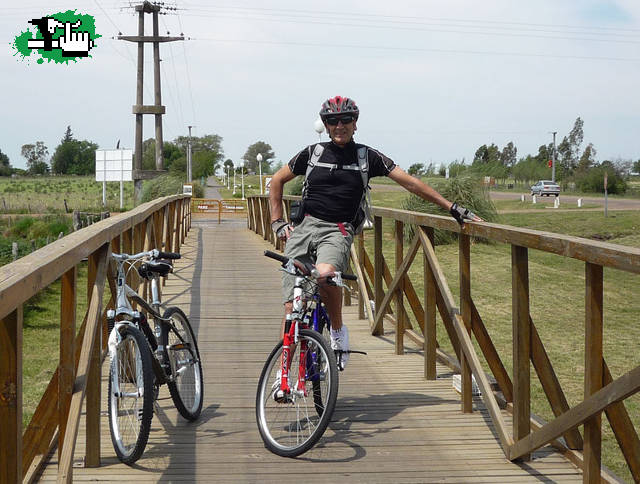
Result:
{"points": [[363, 219]]}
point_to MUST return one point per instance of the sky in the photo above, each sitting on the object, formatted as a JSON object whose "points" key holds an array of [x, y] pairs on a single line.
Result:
{"points": [[434, 80]]}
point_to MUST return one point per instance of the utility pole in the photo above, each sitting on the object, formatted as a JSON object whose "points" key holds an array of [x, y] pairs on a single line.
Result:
{"points": [[189, 172], [157, 109], [553, 159]]}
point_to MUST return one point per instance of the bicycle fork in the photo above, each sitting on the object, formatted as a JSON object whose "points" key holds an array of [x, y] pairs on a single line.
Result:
{"points": [[290, 340]]}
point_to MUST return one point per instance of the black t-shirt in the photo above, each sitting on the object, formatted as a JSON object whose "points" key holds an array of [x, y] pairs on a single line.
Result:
{"points": [[334, 195]]}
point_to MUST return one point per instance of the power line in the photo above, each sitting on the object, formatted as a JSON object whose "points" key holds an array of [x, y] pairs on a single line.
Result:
{"points": [[398, 18], [416, 49], [416, 29]]}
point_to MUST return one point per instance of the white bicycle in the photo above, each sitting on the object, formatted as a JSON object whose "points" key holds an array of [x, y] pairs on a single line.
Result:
{"points": [[142, 358]]}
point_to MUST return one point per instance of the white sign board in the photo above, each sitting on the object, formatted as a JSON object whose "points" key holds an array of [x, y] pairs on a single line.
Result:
{"points": [[114, 165], [187, 189]]}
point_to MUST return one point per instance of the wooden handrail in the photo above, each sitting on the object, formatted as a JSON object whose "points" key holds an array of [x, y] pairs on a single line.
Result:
{"points": [[165, 220], [602, 392]]}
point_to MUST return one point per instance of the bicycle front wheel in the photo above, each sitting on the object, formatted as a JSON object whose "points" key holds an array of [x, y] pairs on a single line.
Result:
{"points": [[182, 353], [291, 427], [131, 395]]}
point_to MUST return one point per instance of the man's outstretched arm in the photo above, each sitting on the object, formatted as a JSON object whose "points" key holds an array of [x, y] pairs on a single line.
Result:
{"points": [[424, 191]]}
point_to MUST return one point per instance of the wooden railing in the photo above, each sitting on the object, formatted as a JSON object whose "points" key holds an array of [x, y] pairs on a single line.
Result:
{"points": [[77, 378], [463, 322]]}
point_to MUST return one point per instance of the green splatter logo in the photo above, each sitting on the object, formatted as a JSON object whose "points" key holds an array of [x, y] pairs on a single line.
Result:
{"points": [[60, 37]]}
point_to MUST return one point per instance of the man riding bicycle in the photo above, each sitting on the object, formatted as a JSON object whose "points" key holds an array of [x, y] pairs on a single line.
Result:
{"points": [[331, 205]]}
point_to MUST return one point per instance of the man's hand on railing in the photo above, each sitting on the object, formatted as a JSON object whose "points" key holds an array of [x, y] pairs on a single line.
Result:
{"points": [[462, 214], [282, 229]]}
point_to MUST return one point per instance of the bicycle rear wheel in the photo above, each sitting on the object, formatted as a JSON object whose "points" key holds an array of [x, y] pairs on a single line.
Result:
{"points": [[319, 396], [131, 395], [292, 428], [182, 353]]}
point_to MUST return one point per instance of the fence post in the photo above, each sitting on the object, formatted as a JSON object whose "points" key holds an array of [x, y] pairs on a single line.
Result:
{"points": [[521, 343], [465, 311], [399, 293], [14, 250], [94, 383], [378, 268], [429, 313], [593, 367], [11, 397], [66, 375]]}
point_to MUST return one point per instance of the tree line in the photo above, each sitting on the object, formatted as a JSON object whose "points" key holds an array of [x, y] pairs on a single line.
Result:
{"points": [[573, 165], [77, 157]]}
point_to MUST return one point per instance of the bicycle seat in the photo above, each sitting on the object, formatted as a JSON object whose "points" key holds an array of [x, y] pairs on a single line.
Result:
{"points": [[162, 267]]}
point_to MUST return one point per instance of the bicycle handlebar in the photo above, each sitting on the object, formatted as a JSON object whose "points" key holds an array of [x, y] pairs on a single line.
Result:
{"points": [[153, 254], [168, 255], [276, 256]]}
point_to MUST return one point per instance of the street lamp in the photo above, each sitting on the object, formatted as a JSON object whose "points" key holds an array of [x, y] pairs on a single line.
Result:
{"points": [[234, 177], [228, 175], [242, 176], [259, 158], [319, 127]]}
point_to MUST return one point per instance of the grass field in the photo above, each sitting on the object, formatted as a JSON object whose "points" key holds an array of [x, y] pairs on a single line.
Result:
{"points": [[557, 300], [48, 194]]}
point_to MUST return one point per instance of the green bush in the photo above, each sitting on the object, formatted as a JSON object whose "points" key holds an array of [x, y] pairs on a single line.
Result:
{"points": [[294, 187], [165, 185], [593, 180], [467, 191]]}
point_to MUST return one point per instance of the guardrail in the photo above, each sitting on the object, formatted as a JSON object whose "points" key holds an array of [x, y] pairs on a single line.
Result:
{"points": [[463, 322], [78, 376]]}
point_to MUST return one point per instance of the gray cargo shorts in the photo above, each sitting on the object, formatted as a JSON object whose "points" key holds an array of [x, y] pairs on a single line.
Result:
{"points": [[324, 242]]}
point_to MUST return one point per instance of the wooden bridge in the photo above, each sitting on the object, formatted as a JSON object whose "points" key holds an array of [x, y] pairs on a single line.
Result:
{"points": [[398, 417]]}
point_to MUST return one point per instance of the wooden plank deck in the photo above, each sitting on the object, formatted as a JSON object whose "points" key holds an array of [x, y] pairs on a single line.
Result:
{"points": [[390, 425]]}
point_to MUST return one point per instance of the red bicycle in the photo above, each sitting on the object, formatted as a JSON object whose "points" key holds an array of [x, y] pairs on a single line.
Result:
{"points": [[298, 386]]}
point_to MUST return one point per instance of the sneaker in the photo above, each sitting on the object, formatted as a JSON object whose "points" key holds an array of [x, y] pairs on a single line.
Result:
{"points": [[340, 344], [278, 395]]}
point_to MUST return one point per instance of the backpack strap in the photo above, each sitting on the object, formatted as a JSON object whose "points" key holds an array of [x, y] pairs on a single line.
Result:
{"points": [[313, 162]]}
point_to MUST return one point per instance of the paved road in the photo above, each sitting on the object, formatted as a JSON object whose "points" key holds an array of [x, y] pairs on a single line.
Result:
{"points": [[612, 203], [211, 188], [565, 200]]}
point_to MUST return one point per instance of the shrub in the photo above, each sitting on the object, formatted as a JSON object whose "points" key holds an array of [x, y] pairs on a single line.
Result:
{"points": [[468, 191], [294, 187], [593, 180], [165, 185]]}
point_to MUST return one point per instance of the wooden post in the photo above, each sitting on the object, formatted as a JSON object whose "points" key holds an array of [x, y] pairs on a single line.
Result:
{"points": [[464, 262], [429, 314], [66, 374], [399, 293], [362, 299], [11, 397], [593, 370], [378, 268], [521, 343], [94, 383]]}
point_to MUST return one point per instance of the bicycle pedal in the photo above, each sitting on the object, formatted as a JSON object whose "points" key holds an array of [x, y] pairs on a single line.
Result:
{"points": [[179, 346]]}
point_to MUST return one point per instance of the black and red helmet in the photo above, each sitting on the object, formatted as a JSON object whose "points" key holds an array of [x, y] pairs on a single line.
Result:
{"points": [[339, 105]]}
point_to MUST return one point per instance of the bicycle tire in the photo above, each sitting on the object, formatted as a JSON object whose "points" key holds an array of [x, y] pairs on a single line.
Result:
{"points": [[132, 362], [291, 429], [187, 390]]}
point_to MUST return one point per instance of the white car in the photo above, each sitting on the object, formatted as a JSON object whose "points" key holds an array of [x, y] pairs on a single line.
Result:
{"points": [[545, 187]]}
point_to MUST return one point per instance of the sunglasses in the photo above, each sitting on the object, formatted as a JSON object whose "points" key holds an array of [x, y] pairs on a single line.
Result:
{"points": [[334, 120]]}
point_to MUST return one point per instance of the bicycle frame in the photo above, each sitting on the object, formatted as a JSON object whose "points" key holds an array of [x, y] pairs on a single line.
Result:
{"points": [[125, 294]]}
